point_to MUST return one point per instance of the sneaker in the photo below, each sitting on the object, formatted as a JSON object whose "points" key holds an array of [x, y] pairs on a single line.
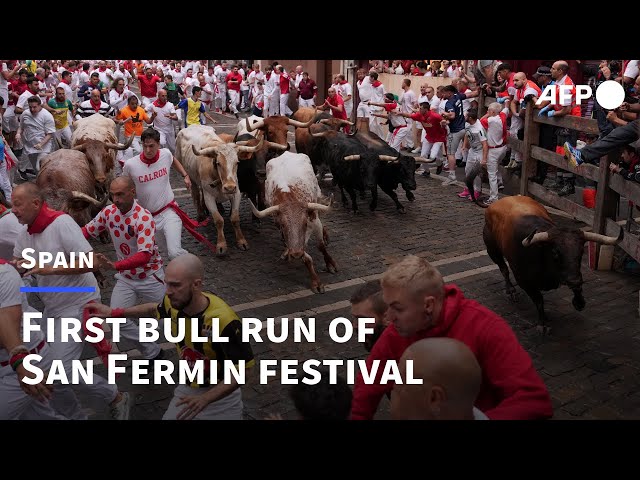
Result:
{"points": [[439, 169], [465, 193], [23, 175], [426, 174], [122, 409], [572, 155], [449, 181], [489, 201], [500, 186], [567, 189], [512, 163], [477, 195], [416, 150]]}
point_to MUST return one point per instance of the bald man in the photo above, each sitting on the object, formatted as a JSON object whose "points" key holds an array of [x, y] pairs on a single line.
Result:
{"points": [[451, 379], [523, 87], [56, 232], [421, 306], [138, 269], [185, 299], [94, 105]]}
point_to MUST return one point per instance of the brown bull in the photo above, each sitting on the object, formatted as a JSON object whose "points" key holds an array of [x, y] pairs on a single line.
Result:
{"points": [[541, 255], [68, 183], [95, 137]]}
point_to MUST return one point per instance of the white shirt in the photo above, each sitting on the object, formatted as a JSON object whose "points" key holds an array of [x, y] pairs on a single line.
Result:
{"points": [[476, 134], [365, 90], [153, 189], [407, 101], [253, 76], [10, 228], [632, 69], [494, 132], [131, 233], [62, 235], [68, 92], [345, 90], [120, 100], [34, 129], [4, 85], [10, 296], [125, 76], [106, 76], [162, 122], [298, 79]]}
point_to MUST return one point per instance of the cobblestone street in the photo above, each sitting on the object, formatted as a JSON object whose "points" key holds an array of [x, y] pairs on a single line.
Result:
{"points": [[590, 361]]}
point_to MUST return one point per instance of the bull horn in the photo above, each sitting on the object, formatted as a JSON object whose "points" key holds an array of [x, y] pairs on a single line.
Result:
{"points": [[388, 158], [319, 135], [241, 143], [277, 146], [604, 239], [120, 146], [244, 148], [324, 121], [347, 122], [83, 196], [255, 126], [318, 206], [79, 148], [264, 213], [422, 160], [349, 158], [204, 152], [535, 238]]}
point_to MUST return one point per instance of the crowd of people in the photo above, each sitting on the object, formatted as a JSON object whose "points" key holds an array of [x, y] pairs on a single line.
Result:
{"points": [[470, 361]]}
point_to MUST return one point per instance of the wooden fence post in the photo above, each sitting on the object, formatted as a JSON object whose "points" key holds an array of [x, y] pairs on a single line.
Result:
{"points": [[606, 201], [531, 137]]}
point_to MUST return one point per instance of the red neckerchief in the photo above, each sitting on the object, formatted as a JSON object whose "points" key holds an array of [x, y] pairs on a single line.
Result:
{"points": [[4, 210], [67, 82], [268, 76], [376, 84], [158, 104], [102, 69], [343, 82], [148, 162], [31, 91], [45, 217], [3, 261], [96, 108], [177, 70]]}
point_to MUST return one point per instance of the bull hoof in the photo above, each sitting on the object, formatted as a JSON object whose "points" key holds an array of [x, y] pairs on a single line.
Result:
{"points": [[221, 249], [578, 304], [243, 246], [332, 268], [402, 210], [410, 196], [543, 329], [319, 288]]}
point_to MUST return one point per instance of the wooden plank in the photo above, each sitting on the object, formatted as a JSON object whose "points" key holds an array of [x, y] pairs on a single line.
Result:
{"points": [[578, 212], [515, 144], [531, 138], [585, 125], [585, 170], [627, 188], [630, 243], [606, 201]]}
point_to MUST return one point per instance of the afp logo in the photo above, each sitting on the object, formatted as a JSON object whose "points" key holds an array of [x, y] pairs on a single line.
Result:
{"points": [[609, 94]]}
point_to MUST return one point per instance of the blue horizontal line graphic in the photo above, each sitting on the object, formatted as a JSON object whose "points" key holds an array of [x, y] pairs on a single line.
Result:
{"points": [[57, 289]]}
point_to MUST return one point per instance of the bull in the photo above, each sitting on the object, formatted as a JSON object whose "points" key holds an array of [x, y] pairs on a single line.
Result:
{"points": [[541, 255], [292, 193], [212, 167], [68, 184], [95, 137], [394, 169]]}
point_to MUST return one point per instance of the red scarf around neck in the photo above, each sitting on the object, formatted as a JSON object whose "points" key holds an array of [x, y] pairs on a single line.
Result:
{"points": [[149, 161], [45, 217]]}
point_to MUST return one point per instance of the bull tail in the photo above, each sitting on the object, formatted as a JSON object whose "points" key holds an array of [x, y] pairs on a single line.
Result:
{"points": [[475, 171]]}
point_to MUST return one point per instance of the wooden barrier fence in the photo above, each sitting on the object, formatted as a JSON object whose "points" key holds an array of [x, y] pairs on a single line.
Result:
{"points": [[602, 218]]}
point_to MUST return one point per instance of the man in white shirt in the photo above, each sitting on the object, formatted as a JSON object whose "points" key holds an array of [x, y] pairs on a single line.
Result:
{"points": [[36, 130], [10, 227], [377, 96], [345, 91], [494, 123], [139, 267], [150, 172], [408, 104], [52, 231], [364, 92], [163, 122]]}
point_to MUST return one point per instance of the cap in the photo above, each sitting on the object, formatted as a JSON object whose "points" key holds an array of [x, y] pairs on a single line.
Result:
{"points": [[542, 70]]}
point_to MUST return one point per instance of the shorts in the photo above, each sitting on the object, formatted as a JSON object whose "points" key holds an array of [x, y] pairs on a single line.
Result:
{"points": [[453, 141]]}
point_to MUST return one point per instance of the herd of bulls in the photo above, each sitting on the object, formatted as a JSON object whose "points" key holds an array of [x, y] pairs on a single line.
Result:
{"points": [[278, 183]]}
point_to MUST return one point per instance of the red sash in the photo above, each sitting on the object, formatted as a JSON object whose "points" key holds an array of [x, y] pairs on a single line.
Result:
{"points": [[188, 223]]}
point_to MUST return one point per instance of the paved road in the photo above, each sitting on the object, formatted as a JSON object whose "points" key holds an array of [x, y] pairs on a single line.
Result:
{"points": [[589, 362]]}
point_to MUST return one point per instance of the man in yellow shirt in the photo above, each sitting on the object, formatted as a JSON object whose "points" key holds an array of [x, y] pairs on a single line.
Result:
{"points": [[193, 107], [60, 107]]}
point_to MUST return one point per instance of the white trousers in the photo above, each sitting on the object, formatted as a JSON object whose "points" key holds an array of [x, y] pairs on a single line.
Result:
{"points": [[168, 138], [227, 408], [169, 233], [375, 126], [495, 178], [234, 98], [64, 401], [399, 134], [306, 103], [64, 135], [128, 293], [17, 405], [5, 183], [473, 158], [284, 108]]}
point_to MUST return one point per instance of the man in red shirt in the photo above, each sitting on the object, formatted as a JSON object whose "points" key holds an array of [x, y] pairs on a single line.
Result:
{"points": [[308, 91], [421, 306], [234, 79], [335, 103], [148, 87]]}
